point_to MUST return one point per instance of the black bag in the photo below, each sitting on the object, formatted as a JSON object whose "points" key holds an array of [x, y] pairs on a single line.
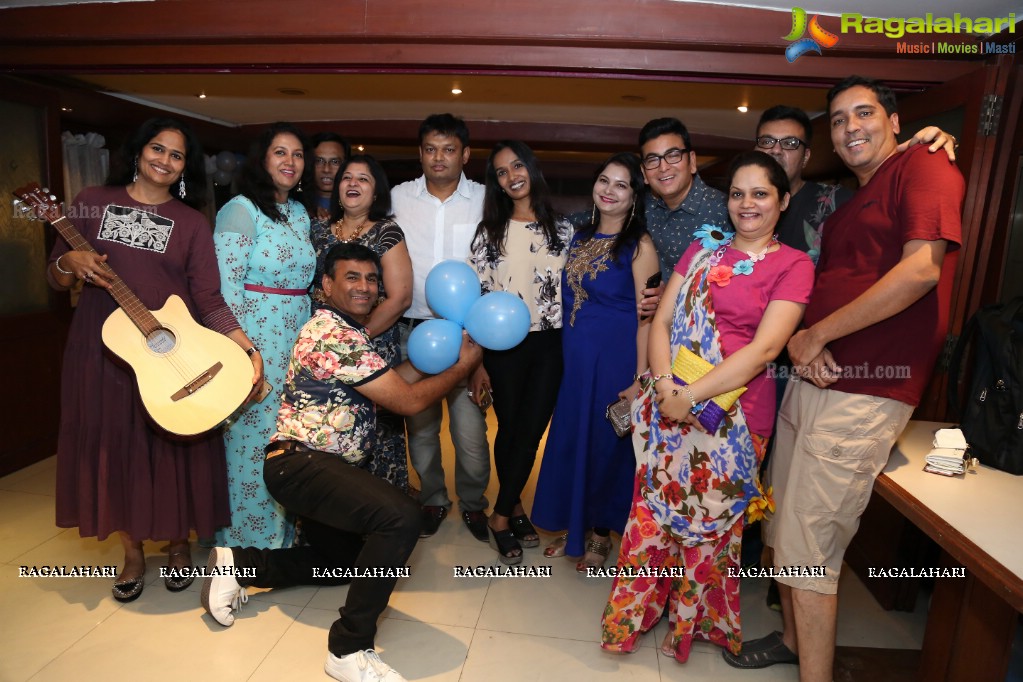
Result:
{"points": [[992, 417]]}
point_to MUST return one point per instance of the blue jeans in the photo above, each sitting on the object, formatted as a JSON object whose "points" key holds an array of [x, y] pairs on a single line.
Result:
{"points": [[472, 451], [350, 519]]}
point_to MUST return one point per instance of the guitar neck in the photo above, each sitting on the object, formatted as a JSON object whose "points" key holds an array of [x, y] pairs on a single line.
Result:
{"points": [[129, 302]]}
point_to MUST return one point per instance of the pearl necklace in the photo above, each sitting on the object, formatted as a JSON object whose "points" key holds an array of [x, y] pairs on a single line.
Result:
{"points": [[338, 228]]}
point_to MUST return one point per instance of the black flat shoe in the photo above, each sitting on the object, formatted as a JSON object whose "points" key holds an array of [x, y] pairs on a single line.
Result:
{"points": [[183, 576], [504, 543], [125, 591], [524, 531]]}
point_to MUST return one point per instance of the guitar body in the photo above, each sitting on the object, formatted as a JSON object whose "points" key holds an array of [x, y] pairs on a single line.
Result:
{"points": [[190, 378]]}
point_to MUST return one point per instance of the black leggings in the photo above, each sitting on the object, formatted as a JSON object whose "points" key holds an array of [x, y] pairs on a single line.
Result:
{"points": [[525, 380]]}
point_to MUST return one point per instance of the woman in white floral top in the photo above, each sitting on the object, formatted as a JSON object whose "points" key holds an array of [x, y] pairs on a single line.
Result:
{"points": [[520, 246]]}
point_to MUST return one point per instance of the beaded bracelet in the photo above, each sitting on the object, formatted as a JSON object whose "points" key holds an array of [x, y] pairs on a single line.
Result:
{"points": [[663, 376], [60, 269], [689, 394]]}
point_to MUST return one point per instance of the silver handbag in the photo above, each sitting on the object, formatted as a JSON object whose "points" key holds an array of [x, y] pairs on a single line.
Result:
{"points": [[619, 413]]}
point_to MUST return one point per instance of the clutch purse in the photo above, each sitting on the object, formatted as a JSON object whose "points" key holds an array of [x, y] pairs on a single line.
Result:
{"points": [[619, 414], [687, 368]]}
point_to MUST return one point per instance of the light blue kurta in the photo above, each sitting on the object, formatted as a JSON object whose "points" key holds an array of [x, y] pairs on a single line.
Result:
{"points": [[252, 249]]}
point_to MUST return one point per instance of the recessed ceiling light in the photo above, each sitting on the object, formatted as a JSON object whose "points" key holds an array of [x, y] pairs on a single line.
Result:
{"points": [[202, 95], [293, 92], [66, 109], [361, 148], [456, 91], [743, 108]]}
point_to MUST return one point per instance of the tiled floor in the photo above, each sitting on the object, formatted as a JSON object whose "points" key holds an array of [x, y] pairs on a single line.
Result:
{"points": [[437, 627]]}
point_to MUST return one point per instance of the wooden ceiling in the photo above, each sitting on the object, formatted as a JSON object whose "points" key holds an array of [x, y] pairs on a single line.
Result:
{"points": [[574, 79]]}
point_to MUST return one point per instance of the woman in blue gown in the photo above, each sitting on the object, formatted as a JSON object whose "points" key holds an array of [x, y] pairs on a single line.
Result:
{"points": [[585, 483]]}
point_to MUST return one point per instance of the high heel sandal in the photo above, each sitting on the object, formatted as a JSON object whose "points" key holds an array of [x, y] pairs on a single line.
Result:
{"points": [[557, 547], [185, 574], [524, 531], [597, 551], [504, 543]]}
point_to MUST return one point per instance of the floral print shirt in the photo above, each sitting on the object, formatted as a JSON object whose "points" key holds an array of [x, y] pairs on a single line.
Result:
{"points": [[527, 266], [802, 224], [320, 406]]}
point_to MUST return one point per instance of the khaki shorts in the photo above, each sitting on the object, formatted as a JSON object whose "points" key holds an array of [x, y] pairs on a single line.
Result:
{"points": [[829, 447]]}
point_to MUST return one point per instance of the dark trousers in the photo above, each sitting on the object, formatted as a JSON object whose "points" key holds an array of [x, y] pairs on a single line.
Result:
{"points": [[352, 519], [525, 381]]}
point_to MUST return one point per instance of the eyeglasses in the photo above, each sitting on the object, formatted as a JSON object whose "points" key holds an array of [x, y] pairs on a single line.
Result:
{"points": [[672, 156], [789, 143], [333, 163]]}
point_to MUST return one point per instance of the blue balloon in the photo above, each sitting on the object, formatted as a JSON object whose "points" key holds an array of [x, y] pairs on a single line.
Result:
{"points": [[498, 321], [433, 345], [451, 288]]}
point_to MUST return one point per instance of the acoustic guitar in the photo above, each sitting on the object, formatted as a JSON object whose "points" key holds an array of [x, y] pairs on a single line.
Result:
{"points": [[190, 378]]}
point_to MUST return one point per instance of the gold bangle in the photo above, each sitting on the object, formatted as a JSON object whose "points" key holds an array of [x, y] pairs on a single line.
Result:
{"points": [[60, 269]]}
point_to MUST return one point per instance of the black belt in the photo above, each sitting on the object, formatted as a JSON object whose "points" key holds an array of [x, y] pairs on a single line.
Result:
{"points": [[411, 322], [281, 446]]}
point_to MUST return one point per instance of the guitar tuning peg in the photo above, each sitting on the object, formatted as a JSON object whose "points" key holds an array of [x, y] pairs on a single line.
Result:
{"points": [[46, 190], [17, 202]]}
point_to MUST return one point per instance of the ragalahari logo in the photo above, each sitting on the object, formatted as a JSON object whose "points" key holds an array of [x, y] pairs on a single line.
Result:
{"points": [[818, 36]]}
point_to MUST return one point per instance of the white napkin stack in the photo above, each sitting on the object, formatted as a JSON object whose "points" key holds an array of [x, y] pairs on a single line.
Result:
{"points": [[948, 455]]}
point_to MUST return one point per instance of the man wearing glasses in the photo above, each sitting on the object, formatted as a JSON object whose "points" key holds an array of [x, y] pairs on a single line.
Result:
{"points": [[786, 134], [680, 201], [329, 152]]}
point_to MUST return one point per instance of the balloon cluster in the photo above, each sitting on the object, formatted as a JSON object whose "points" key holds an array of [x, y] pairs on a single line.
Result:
{"points": [[222, 167], [497, 321]]}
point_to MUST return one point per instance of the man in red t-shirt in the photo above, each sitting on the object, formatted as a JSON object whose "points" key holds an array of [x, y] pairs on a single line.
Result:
{"points": [[872, 333]]}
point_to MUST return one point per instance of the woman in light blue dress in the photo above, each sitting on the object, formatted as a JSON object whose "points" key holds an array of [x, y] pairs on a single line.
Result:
{"points": [[266, 265]]}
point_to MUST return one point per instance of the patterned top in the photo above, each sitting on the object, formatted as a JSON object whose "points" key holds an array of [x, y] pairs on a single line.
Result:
{"points": [[529, 268], [320, 407], [672, 229], [382, 237], [801, 226]]}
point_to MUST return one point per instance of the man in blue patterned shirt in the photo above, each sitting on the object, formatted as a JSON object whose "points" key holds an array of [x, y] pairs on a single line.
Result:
{"points": [[679, 202], [359, 528]]}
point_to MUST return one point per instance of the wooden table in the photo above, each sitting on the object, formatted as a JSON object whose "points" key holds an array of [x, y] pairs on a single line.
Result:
{"points": [[975, 519]]}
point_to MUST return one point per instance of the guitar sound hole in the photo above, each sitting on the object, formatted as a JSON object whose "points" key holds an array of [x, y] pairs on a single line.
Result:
{"points": [[161, 341]]}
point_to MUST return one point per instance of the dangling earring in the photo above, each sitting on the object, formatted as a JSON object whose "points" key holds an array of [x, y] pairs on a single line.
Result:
{"points": [[593, 215], [181, 186], [299, 187], [632, 214], [135, 177]]}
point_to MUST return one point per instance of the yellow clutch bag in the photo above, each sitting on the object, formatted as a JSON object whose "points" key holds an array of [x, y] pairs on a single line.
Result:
{"points": [[687, 368]]}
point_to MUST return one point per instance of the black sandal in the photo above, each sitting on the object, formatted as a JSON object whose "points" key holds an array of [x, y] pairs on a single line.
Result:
{"points": [[504, 543], [761, 653], [524, 531]]}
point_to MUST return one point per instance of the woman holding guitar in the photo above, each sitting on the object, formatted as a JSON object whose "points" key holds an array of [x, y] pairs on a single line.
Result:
{"points": [[117, 471]]}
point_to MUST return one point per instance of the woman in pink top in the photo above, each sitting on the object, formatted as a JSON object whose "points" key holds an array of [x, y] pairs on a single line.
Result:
{"points": [[734, 299]]}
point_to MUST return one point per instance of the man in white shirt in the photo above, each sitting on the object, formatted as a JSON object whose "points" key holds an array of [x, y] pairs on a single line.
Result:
{"points": [[439, 212]]}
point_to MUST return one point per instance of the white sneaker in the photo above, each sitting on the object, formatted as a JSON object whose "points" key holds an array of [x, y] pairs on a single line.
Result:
{"points": [[362, 666], [221, 592]]}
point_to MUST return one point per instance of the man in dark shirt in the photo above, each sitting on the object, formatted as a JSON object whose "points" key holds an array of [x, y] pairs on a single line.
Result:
{"points": [[329, 151], [359, 528]]}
